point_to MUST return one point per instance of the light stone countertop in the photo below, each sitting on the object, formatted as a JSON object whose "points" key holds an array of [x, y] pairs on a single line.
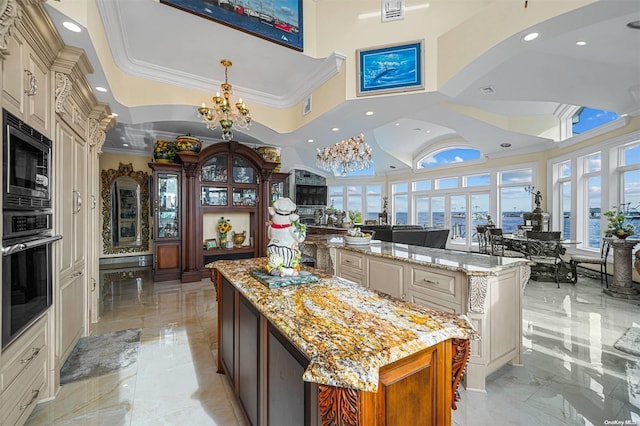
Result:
{"points": [[452, 260], [345, 330]]}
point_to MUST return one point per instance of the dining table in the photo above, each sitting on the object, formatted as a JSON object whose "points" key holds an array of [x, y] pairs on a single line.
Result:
{"points": [[519, 243]]}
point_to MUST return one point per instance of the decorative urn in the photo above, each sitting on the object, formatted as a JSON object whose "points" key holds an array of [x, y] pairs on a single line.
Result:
{"points": [[188, 143], [164, 151]]}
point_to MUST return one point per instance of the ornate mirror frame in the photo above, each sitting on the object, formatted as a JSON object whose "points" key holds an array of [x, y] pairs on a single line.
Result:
{"points": [[108, 178]]}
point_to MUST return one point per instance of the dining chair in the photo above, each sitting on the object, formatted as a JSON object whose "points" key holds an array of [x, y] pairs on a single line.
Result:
{"points": [[499, 246], [483, 239], [544, 250], [602, 261]]}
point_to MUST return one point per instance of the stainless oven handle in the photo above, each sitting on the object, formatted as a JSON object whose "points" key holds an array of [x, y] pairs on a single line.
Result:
{"points": [[9, 250]]}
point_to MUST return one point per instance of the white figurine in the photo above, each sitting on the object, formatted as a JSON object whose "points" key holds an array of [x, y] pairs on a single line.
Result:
{"points": [[285, 233]]}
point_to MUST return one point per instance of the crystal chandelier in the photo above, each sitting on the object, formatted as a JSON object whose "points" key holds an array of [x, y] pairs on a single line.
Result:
{"points": [[345, 156], [222, 112]]}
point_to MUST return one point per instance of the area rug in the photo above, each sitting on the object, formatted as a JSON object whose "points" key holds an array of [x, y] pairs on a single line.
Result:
{"points": [[629, 342], [99, 355]]}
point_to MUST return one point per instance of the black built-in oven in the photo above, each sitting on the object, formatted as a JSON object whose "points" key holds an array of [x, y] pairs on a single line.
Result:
{"points": [[26, 165], [26, 283]]}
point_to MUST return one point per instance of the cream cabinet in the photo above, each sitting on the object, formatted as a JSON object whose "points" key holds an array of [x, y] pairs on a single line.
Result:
{"points": [[71, 213], [26, 85], [386, 276], [436, 288], [24, 373], [351, 266]]}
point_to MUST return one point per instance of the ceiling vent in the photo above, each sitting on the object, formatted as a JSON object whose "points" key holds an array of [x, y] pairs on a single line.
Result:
{"points": [[392, 10]]}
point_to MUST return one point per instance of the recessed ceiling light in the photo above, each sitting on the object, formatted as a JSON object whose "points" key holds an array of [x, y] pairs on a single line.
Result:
{"points": [[310, 140], [428, 131], [335, 129], [392, 167], [397, 124], [125, 144], [635, 25], [71, 27], [487, 90], [100, 89], [530, 36], [581, 43], [368, 113], [505, 145], [113, 114]]}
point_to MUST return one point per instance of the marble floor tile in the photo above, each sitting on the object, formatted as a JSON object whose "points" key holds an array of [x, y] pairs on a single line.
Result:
{"points": [[571, 373]]}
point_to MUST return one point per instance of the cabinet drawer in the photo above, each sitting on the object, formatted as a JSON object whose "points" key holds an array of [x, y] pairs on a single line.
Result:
{"points": [[24, 353], [432, 303], [351, 275], [20, 399], [442, 285], [350, 260]]}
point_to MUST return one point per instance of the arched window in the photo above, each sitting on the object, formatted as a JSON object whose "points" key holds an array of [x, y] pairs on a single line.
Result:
{"points": [[448, 156], [586, 119]]}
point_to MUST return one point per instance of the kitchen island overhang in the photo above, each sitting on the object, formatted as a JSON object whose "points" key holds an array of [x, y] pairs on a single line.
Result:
{"points": [[349, 335]]}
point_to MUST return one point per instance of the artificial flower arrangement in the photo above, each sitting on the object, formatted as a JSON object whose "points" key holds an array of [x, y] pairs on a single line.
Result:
{"points": [[617, 225], [224, 226]]}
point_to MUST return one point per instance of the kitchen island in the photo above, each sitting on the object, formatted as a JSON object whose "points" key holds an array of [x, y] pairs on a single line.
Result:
{"points": [[487, 289], [334, 352]]}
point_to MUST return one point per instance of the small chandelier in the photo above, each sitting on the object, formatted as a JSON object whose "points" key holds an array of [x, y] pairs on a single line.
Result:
{"points": [[345, 156], [222, 112]]}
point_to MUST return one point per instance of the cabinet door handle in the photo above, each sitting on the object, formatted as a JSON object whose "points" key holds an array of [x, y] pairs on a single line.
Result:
{"points": [[34, 396], [33, 84], [430, 282], [94, 202], [78, 201], [34, 353]]}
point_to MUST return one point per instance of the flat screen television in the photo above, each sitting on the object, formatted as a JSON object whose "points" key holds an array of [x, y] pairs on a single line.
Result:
{"points": [[311, 195]]}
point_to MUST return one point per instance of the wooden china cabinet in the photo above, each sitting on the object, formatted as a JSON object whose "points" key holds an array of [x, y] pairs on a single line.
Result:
{"points": [[224, 178], [167, 232]]}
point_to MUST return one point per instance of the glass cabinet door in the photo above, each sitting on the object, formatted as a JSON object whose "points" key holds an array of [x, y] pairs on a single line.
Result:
{"points": [[168, 206]]}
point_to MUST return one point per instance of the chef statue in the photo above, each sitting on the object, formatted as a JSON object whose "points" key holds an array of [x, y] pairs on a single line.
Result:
{"points": [[285, 233]]}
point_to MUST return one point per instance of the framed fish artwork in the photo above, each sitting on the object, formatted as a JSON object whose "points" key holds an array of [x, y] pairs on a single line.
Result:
{"points": [[391, 68]]}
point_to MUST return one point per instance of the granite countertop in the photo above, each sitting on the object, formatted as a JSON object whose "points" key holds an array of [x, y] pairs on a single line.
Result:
{"points": [[467, 262], [345, 330]]}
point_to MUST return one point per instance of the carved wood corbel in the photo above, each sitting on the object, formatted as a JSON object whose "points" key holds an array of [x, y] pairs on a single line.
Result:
{"points": [[63, 90], [9, 19]]}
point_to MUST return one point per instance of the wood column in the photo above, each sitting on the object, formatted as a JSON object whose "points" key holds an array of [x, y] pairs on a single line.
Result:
{"points": [[190, 232]]}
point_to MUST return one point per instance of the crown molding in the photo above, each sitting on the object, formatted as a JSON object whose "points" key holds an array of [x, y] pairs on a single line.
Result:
{"points": [[116, 35]]}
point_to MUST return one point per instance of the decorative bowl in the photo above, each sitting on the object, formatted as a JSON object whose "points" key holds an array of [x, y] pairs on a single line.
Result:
{"points": [[164, 151], [357, 240]]}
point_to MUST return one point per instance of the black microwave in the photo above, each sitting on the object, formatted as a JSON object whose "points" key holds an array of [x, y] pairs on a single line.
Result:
{"points": [[26, 166]]}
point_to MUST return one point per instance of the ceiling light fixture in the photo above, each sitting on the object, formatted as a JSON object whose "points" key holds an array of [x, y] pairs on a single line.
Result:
{"points": [[487, 90], [505, 145], [368, 113], [222, 113], [530, 36], [581, 43], [345, 156], [310, 140], [74, 28], [101, 89], [335, 129]]}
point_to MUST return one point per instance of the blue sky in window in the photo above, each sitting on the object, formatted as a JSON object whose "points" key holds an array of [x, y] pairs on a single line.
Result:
{"points": [[590, 118], [454, 155]]}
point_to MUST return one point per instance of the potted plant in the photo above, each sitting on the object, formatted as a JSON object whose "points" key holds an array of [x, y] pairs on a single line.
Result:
{"points": [[618, 225]]}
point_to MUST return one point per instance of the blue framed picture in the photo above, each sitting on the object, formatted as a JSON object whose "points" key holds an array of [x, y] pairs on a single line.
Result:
{"points": [[388, 69], [279, 21]]}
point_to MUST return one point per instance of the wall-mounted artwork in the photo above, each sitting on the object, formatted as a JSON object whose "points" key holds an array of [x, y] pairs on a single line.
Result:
{"points": [[279, 21], [389, 69]]}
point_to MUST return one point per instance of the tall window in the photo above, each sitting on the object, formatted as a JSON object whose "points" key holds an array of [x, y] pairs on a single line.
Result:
{"points": [[564, 182], [458, 217], [400, 203], [437, 212], [366, 199], [593, 191], [480, 209], [514, 199], [630, 183], [423, 210]]}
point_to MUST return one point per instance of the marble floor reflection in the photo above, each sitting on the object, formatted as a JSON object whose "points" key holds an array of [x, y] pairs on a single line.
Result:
{"points": [[572, 375]]}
